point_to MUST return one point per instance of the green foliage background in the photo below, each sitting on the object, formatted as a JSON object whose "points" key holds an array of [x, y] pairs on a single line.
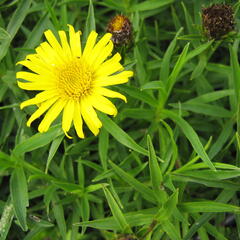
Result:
{"points": [[167, 167]]}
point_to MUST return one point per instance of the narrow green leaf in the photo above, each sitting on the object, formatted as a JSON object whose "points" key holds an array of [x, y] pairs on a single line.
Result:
{"points": [[6, 161], [138, 218], [140, 95], [208, 206], [116, 211], [120, 135], [112, 4], [212, 174], [50, 6], [165, 66], [150, 5], [219, 68], [53, 149], [177, 68], [6, 220], [155, 173], [85, 210], [204, 108], [171, 230], [95, 187], [235, 71], [139, 113], [145, 191], [190, 24], [198, 50], [68, 187], [152, 85], [59, 215], [37, 141], [92, 165], [14, 25], [103, 144], [168, 208], [19, 195], [35, 35], [191, 136], [212, 96], [200, 66], [169, 165], [224, 197], [4, 35], [90, 22], [175, 18], [213, 183], [212, 230]]}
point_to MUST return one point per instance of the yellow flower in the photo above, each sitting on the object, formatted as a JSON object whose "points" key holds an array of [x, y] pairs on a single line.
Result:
{"points": [[72, 81]]}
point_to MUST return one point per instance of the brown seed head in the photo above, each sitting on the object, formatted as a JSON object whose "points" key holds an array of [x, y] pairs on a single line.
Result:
{"points": [[121, 29], [217, 20]]}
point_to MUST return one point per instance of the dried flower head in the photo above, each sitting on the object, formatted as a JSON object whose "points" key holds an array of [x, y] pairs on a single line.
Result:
{"points": [[121, 29], [72, 80], [217, 20]]}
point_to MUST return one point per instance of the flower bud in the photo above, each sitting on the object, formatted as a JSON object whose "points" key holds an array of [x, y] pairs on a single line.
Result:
{"points": [[121, 29], [217, 20]]}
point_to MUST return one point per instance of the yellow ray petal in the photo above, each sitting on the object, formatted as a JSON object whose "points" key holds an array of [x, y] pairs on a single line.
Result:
{"points": [[104, 105], [43, 108], [103, 55], [89, 45], [99, 47], [37, 86], [65, 46], [34, 67], [90, 117], [75, 42], [37, 60], [52, 40], [44, 56], [114, 79], [51, 115], [77, 120], [39, 98], [32, 77], [110, 66], [50, 55], [67, 116], [109, 93]]}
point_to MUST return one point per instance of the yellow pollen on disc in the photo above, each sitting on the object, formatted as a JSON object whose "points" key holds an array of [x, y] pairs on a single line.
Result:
{"points": [[118, 23], [75, 80]]}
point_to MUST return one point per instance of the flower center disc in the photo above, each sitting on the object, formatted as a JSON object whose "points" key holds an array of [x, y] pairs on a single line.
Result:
{"points": [[75, 80]]}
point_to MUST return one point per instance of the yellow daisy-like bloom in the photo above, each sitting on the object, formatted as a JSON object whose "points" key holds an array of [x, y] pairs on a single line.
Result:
{"points": [[72, 81]]}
